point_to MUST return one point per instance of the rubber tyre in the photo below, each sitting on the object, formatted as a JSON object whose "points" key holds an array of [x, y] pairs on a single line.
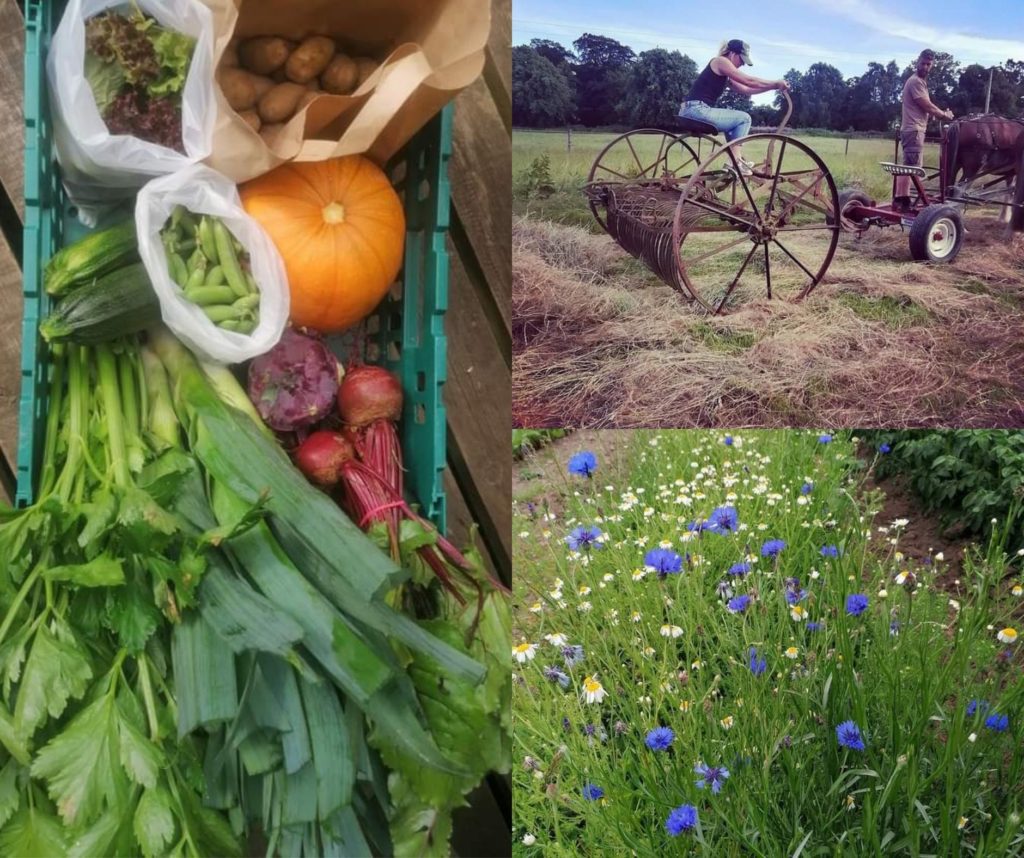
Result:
{"points": [[933, 219], [852, 195]]}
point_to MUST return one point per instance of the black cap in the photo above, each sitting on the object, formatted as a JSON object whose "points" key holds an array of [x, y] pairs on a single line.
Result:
{"points": [[740, 47]]}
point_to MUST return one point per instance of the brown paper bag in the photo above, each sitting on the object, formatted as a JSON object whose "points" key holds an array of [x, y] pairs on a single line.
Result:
{"points": [[429, 50]]}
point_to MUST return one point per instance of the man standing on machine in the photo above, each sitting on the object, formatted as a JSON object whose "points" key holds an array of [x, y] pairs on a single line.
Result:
{"points": [[917, 107]]}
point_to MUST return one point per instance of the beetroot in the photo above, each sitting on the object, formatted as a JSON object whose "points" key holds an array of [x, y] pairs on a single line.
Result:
{"points": [[370, 403], [294, 385], [322, 457]]}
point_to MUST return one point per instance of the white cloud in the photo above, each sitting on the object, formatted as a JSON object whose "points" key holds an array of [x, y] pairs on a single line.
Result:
{"points": [[966, 47]]}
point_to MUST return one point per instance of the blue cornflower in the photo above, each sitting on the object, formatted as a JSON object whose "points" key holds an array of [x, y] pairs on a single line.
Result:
{"points": [[856, 604], [829, 551], [724, 590], [592, 792], [884, 448], [727, 440], [739, 569], [583, 463], [555, 675], [711, 775], [975, 705], [894, 628], [825, 439], [757, 665], [664, 561], [772, 547], [722, 520], [572, 654], [589, 730], [806, 488], [659, 738], [738, 604], [683, 818], [997, 722], [566, 724], [795, 596], [849, 736], [814, 627], [584, 538]]}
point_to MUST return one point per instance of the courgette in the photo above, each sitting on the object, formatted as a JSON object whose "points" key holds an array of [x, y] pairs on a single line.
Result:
{"points": [[118, 303], [95, 255]]}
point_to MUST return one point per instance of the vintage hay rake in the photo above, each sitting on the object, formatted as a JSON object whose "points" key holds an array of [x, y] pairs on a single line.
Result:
{"points": [[709, 231]]}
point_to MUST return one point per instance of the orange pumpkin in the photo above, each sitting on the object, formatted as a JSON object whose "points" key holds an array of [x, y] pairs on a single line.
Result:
{"points": [[340, 228]]}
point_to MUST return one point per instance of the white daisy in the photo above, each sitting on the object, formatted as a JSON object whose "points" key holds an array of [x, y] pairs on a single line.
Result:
{"points": [[668, 631], [1007, 635], [524, 652], [593, 691]]}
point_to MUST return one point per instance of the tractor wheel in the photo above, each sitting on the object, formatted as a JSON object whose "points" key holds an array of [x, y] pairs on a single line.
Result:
{"points": [[936, 234], [852, 196]]}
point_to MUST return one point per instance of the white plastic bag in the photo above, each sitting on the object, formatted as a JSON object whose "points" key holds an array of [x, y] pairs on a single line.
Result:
{"points": [[205, 191], [99, 168]]}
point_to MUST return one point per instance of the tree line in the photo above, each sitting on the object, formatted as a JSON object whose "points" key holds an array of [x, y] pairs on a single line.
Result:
{"points": [[603, 82]]}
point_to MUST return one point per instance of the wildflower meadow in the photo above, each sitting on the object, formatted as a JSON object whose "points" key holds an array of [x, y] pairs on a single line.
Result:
{"points": [[720, 649]]}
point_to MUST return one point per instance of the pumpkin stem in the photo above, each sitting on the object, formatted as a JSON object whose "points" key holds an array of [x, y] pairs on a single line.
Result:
{"points": [[334, 213]]}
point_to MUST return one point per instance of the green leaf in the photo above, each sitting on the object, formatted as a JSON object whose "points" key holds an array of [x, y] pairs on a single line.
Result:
{"points": [[57, 670], [99, 513], [142, 760], [101, 571], [174, 52], [371, 673], [9, 739], [81, 765], [12, 657], [10, 795], [333, 754], [154, 822], [143, 526], [418, 830], [98, 839], [105, 79], [413, 535], [31, 832], [132, 615]]}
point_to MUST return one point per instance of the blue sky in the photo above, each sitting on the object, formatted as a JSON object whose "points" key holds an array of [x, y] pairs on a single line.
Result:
{"points": [[790, 34]]}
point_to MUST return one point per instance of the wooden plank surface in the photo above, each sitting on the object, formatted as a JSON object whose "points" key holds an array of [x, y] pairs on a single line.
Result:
{"points": [[12, 131]]}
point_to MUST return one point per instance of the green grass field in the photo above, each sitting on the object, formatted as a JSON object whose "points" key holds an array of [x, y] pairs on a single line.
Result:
{"points": [[734, 602], [569, 169]]}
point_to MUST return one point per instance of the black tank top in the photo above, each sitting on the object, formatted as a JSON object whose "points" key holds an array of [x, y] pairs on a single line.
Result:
{"points": [[708, 86]]}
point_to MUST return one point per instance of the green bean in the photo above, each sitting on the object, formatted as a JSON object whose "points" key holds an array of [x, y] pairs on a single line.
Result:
{"points": [[215, 276], [247, 326], [195, 279], [189, 244], [228, 260], [222, 312], [196, 259], [204, 295], [231, 324], [247, 302], [250, 281], [188, 222], [176, 214], [179, 273], [205, 233]]}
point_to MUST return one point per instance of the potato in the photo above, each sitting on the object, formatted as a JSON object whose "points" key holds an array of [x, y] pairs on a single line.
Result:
{"points": [[309, 59], [280, 102], [269, 132], [264, 54], [366, 68], [307, 97], [262, 84], [340, 76], [229, 59], [238, 88], [252, 118]]}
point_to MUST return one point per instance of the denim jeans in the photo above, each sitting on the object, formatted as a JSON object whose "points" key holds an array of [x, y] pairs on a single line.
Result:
{"points": [[734, 123]]}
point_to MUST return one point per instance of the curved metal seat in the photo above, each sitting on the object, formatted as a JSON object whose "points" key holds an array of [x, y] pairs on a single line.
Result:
{"points": [[695, 126]]}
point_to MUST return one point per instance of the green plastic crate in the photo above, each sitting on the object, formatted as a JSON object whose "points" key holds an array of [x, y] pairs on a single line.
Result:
{"points": [[406, 334]]}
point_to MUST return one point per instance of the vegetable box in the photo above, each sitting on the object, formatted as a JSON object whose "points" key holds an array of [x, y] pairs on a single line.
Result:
{"points": [[406, 334]]}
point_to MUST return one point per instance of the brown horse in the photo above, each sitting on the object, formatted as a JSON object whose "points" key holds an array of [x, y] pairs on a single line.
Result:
{"points": [[985, 147]]}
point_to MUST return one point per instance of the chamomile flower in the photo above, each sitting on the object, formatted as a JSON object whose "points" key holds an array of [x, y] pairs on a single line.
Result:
{"points": [[1017, 590], [556, 639], [524, 652], [593, 691], [791, 652], [727, 722], [635, 617], [668, 631], [536, 608], [798, 613], [1007, 635]]}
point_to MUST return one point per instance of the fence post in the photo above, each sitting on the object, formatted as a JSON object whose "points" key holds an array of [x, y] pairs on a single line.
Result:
{"points": [[847, 152], [568, 138]]}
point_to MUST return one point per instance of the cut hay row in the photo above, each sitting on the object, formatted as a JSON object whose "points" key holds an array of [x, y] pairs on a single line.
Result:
{"points": [[882, 341]]}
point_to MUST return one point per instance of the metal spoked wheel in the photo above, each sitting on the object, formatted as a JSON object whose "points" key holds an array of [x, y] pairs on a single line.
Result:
{"points": [[645, 157], [741, 236]]}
